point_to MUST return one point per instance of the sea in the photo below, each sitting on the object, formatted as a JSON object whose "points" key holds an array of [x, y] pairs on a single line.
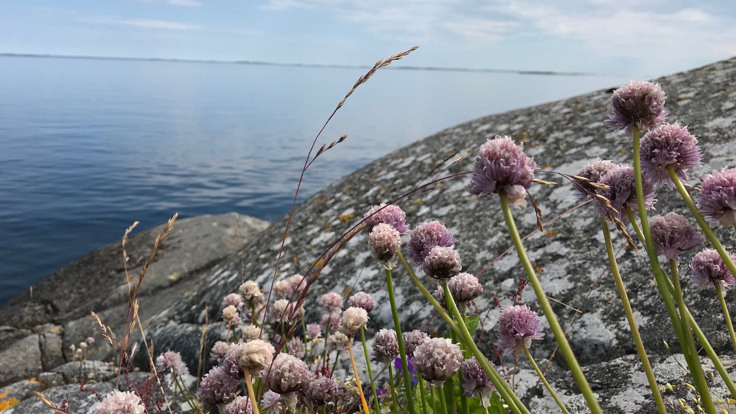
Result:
{"points": [[88, 146]]}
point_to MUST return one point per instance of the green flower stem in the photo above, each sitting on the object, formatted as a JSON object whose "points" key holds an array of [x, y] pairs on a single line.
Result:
{"points": [[546, 384], [334, 364], [564, 346], [443, 401], [503, 388], [449, 385], [659, 276], [324, 351], [434, 401], [719, 293], [394, 403], [701, 221], [184, 394], [448, 388], [370, 373], [400, 339], [632, 322], [421, 393]]}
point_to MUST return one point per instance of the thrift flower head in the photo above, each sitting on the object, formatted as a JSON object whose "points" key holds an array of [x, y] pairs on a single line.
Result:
{"points": [[240, 405], [230, 363], [282, 311], [233, 299], [621, 191], [255, 356], [331, 302], [464, 287], [518, 325], [426, 236], [502, 168], [437, 359], [281, 289], [338, 341], [271, 402], [353, 319], [217, 387], [229, 312], [297, 283], [321, 391], [313, 331], [638, 104], [296, 347], [385, 345], [392, 215], [672, 235], [331, 322], [286, 376], [170, 362], [251, 293], [362, 300], [668, 146], [250, 332], [475, 382], [120, 403], [413, 339], [442, 263], [717, 199], [709, 270], [219, 350], [384, 241], [593, 172]]}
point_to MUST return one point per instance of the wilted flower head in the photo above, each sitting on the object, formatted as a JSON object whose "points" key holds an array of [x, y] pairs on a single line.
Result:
{"points": [[412, 340], [475, 382], [621, 191], [251, 293], [250, 332], [296, 347], [437, 359], [384, 241], [270, 402], [362, 300], [385, 345], [353, 318], [518, 325], [233, 299], [668, 146], [717, 199], [119, 402], [331, 302], [219, 350], [426, 236], [338, 341], [229, 312], [255, 356], [672, 235], [593, 172], [502, 168], [240, 405], [709, 270], [218, 387], [313, 331], [170, 362], [321, 391], [392, 215], [442, 263], [287, 375], [638, 104], [331, 322]]}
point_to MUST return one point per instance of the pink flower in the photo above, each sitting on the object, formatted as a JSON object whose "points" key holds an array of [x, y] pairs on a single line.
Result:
{"points": [[669, 146], [119, 402], [426, 236], [709, 270], [638, 104], [392, 215], [384, 241], [502, 168], [518, 325], [442, 263], [717, 199]]}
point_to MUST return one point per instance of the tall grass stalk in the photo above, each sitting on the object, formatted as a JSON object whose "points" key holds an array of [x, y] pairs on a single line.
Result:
{"points": [[370, 372], [719, 293], [544, 381]]}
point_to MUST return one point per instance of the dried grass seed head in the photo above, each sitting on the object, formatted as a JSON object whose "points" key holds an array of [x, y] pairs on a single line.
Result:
{"points": [[594, 172]]}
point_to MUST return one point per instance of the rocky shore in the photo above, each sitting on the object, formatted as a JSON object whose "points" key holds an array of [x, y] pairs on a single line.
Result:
{"points": [[569, 256]]}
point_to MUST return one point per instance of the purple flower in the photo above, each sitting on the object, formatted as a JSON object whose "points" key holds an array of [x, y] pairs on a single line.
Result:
{"points": [[593, 172], [437, 359], [296, 347], [385, 345], [672, 235], [392, 215], [442, 263], [219, 350], [271, 402], [717, 199], [518, 325], [233, 299], [170, 362], [621, 191], [286, 376], [362, 300], [240, 405], [413, 380], [709, 270], [668, 146], [426, 236], [338, 341], [502, 168], [218, 387], [475, 381], [384, 241], [230, 362], [331, 302], [120, 403], [331, 322], [464, 287], [638, 104], [321, 391], [314, 331], [413, 339]]}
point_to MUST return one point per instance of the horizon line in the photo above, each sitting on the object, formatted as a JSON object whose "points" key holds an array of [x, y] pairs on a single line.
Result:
{"points": [[312, 65]]}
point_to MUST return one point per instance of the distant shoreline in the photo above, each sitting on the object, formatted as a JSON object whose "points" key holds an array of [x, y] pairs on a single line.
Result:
{"points": [[307, 65]]}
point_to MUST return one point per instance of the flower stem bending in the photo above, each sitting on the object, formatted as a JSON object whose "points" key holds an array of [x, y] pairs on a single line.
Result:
{"points": [[400, 340], [544, 381], [564, 346]]}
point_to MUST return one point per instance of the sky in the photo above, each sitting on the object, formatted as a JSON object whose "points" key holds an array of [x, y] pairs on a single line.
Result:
{"points": [[613, 37]]}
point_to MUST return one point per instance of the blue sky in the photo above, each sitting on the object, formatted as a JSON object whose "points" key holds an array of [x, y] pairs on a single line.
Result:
{"points": [[626, 37]]}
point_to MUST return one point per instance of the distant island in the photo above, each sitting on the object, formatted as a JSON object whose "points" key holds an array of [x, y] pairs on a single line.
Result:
{"points": [[308, 65]]}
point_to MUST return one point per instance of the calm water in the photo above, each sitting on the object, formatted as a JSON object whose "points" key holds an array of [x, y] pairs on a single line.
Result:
{"points": [[89, 146]]}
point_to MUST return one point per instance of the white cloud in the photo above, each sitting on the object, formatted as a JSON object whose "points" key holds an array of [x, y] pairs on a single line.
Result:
{"points": [[157, 24], [184, 3]]}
